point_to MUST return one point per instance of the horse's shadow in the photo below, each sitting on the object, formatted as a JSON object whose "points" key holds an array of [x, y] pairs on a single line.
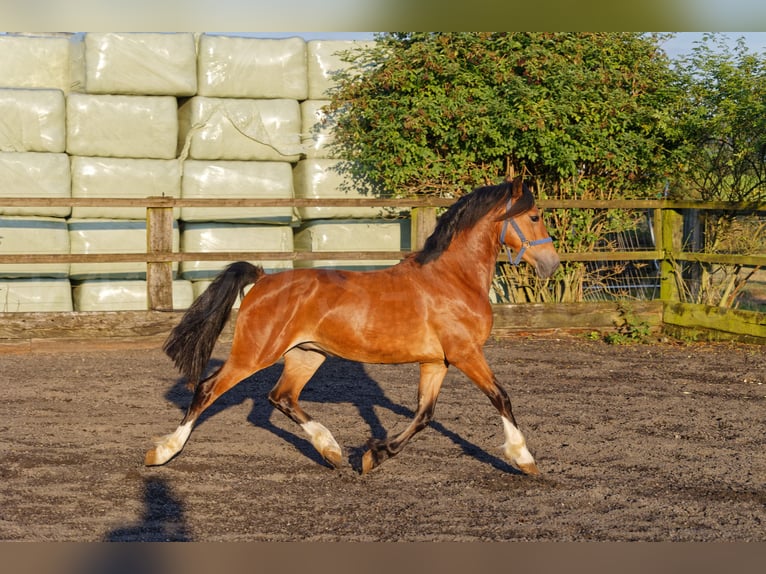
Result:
{"points": [[163, 520], [336, 381]]}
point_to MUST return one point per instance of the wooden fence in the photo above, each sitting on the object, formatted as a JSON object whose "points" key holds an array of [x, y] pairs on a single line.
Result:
{"points": [[666, 224]]}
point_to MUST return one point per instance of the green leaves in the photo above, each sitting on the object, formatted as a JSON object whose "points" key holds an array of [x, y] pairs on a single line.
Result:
{"points": [[440, 113], [587, 114], [722, 123]]}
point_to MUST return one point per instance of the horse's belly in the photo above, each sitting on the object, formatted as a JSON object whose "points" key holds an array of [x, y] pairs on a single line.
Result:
{"points": [[385, 342]]}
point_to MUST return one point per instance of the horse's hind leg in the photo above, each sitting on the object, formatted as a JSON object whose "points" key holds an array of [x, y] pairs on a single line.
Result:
{"points": [[300, 365], [515, 446], [431, 378], [206, 392]]}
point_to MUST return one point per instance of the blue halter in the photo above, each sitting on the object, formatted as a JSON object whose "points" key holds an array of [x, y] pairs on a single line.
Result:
{"points": [[525, 243]]}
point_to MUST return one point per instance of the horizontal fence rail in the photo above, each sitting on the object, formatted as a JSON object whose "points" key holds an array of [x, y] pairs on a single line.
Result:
{"points": [[176, 256], [221, 202], [367, 202]]}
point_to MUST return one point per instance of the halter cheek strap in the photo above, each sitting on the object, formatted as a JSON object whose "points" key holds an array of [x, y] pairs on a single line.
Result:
{"points": [[525, 243]]}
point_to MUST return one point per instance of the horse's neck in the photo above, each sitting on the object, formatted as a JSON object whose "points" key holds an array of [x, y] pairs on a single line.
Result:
{"points": [[471, 257]]}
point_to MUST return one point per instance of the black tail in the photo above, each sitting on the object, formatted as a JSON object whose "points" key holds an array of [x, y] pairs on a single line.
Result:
{"points": [[191, 342]]}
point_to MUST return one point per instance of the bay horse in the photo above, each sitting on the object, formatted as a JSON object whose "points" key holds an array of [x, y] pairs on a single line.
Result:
{"points": [[432, 308]]}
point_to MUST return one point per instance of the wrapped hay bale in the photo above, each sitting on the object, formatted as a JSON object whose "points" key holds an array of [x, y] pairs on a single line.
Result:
{"points": [[124, 295], [321, 178], [34, 174], [237, 67], [237, 179], [33, 235], [222, 237], [141, 64], [123, 178], [32, 120], [35, 295], [316, 132], [323, 61], [122, 126], [218, 128], [111, 236], [35, 62], [352, 235]]}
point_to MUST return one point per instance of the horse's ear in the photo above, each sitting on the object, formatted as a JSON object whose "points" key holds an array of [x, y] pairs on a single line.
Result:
{"points": [[517, 187]]}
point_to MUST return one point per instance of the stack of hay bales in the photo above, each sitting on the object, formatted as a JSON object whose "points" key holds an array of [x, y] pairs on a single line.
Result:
{"points": [[34, 79], [317, 176], [239, 136], [180, 115], [122, 130]]}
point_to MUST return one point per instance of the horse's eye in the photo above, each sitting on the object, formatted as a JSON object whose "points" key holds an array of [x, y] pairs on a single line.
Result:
{"points": [[534, 218]]}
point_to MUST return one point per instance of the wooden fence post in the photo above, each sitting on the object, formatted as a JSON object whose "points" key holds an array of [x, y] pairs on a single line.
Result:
{"points": [[672, 227], [159, 274], [422, 224]]}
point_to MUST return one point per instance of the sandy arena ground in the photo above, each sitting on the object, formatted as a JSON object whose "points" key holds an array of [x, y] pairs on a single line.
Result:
{"points": [[644, 442]]}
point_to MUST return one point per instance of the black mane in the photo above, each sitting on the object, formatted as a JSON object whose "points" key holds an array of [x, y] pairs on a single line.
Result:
{"points": [[467, 211]]}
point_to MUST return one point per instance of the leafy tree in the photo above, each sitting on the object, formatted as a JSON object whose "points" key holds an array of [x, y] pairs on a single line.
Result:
{"points": [[722, 123], [588, 115], [440, 113]]}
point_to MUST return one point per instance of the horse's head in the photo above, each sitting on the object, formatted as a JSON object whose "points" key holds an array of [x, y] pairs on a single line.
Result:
{"points": [[523, 231]]}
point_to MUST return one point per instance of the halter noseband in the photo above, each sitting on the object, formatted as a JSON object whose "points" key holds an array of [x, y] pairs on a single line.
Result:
{"points": [[525, 243]]}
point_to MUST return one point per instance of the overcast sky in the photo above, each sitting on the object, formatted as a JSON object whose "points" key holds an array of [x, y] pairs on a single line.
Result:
{"points": [[681, 44]]}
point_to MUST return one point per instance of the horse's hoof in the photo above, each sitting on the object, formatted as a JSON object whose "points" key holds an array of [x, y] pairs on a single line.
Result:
{"points": [[159, 455], [529, 469], [333, 457], [368, 462], [152, 458]]}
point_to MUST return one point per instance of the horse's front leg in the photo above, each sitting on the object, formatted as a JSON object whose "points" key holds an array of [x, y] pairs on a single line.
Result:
{"points": [[431, 378], [515, 446]]}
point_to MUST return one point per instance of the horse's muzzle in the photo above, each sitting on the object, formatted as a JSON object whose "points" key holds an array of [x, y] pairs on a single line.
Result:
{"points": [[546, 264]]}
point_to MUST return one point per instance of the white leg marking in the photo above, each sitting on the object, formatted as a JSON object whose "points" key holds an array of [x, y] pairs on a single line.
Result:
{"points": [[515, 446], [321, 438], [171, 444]]}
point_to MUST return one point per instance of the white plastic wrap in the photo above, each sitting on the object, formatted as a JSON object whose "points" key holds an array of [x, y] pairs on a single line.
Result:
{"points": [[319, 178], [238, 67], [29, 235], [123, 178], [122, 126], [77, 63], [35, 295], [140, 64], [111, 236], [35, 62], [34, 175], [352, 235], [124, 295], [237, 179], [32, 120], [323, 61], [219, 128], [316, 131], [212, 237]]}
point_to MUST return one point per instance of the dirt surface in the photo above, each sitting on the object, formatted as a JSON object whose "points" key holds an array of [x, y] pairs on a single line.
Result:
{"points": [[643, 442]]}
